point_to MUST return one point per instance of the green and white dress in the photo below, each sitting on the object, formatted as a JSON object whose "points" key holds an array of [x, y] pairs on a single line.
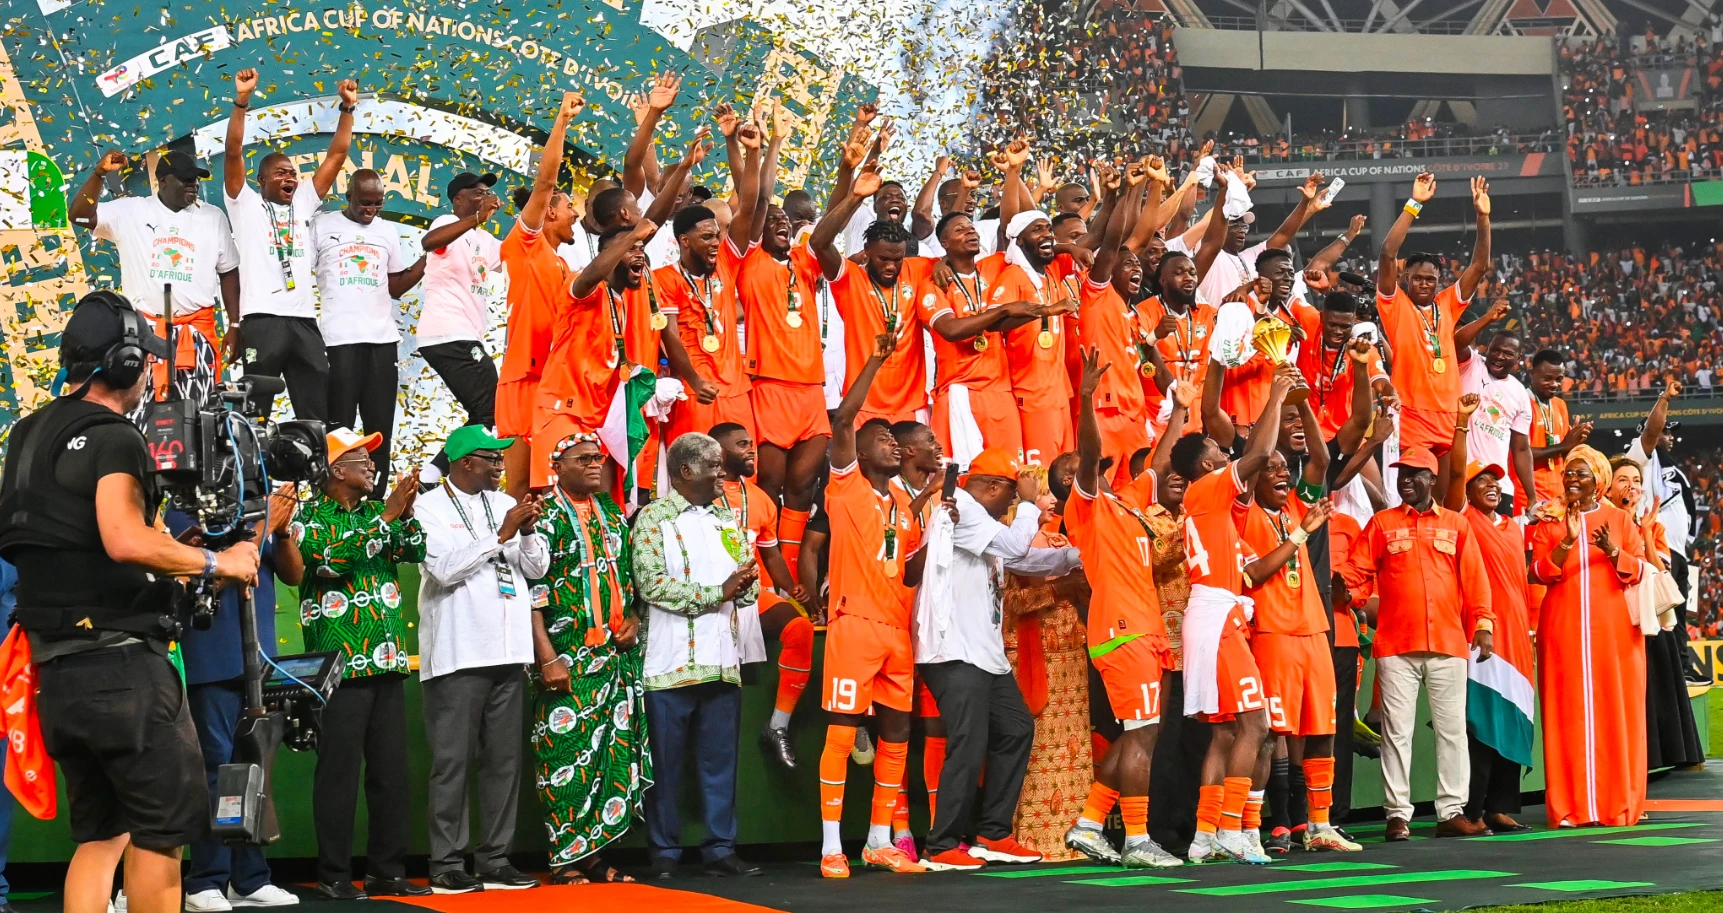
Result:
{"points": [[593, 763], [350, 599]]}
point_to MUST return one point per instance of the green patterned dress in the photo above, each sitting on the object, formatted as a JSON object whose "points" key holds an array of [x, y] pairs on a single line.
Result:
{"points": [[350, 599], [593, 764]]}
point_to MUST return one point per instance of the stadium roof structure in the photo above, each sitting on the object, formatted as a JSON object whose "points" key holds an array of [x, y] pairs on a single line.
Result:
{"points": [[1434, 17]]}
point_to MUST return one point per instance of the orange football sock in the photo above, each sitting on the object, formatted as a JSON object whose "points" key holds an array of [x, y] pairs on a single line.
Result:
{"points": [[1135, 810], [1235, 792], [1253, 811], [834, 768], [888, 765], [795, 663], [1319, 787], [791, 525], [1100, 803], [900, 811], [932, 762], [1209, 802]]}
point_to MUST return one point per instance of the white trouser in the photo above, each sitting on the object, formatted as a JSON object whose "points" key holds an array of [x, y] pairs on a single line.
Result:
{"points": [[1444, 677]]}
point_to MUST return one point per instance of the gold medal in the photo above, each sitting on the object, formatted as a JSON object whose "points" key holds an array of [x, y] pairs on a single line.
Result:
{"points": [[794, 319], [1045, 340], [659, 321], [980, 344], [1148, 369], [1440, 365], [1292, 579], [709, 343], [890, 568]]}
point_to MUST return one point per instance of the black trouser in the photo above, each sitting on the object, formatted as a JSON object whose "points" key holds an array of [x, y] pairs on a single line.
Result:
{"points": [[1495, 782], [363, 378], [1345, 709], [470, 374], [986, 725], [366, 720], [290, 348], [1175, 774]]}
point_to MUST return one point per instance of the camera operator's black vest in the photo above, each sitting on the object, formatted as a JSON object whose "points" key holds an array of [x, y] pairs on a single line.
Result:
{"points": [[68, 587]]}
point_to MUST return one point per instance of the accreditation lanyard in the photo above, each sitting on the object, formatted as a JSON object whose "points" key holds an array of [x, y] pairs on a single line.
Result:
{"points": [[889, 552], [281, 241], [724, 493], [505, 572], [617, 322]]}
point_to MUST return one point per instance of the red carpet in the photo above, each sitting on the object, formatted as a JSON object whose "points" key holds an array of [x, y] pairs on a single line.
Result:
{"points": [[587, 898], [1684, 805]]}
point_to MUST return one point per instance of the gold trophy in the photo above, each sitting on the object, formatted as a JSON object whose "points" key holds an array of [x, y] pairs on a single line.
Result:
{"points": [[1273, 337]]}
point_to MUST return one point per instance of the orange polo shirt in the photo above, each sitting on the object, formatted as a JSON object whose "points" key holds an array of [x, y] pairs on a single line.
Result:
{"points": [[1214, 554], [1408, 330], [766, 288], [1416, 563], [1550, 423], [901, 385]]}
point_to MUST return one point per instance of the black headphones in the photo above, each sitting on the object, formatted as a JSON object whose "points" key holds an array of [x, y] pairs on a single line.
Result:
{"points": [[123, 363]]}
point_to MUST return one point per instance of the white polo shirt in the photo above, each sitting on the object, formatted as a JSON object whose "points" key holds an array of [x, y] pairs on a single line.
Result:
{"points": [[189, 250], [1504, 406], [353, 266], [460, 281]]}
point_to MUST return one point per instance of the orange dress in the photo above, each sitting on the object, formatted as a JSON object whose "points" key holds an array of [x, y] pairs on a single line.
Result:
{"points": [[1591, 674]]}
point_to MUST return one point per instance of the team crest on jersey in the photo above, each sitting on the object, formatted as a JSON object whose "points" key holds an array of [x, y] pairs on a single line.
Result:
{"points": [[927, 300], [1200, 332], [561, 720]]}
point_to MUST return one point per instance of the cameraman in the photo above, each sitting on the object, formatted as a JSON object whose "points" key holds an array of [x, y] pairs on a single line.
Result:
{"points": [[77, 504]]}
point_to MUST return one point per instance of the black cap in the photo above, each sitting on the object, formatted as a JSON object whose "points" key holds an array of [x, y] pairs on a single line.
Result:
{"points": [[467, 179], [97, 324], [181, 165]]}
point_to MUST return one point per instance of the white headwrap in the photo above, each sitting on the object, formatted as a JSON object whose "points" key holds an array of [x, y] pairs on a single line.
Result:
{"points": [[1013, 253], [1237, 201]]}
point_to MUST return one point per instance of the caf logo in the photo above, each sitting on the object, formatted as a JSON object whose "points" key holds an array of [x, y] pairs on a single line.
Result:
{"points": [[563, 776], [561, 720]]}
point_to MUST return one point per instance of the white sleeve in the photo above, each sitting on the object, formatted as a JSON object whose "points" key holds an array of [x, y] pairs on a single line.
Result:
{"points": [[1636, 454], [1046, 562], [452, 557], [110, 214], [976, 530], [1012, 543], [1521, 419], [306, 202], [226, 259], [397, 263]]}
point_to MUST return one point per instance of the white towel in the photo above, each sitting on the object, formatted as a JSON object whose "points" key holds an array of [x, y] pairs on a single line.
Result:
{"points": [[1205, 622], [966, 442], [1014, 253], [1237, 201], [1230, 344], [934, 601], [664, 396]]}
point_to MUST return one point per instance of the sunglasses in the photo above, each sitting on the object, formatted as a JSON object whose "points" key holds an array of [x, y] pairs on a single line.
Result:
{"points": [[495, 459]]}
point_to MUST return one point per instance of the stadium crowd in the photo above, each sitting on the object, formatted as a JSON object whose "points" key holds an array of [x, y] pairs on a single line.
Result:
{"points": [[1611, 141]]}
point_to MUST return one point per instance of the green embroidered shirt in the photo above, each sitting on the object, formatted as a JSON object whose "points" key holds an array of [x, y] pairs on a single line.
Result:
{"points": [[350, 599]]}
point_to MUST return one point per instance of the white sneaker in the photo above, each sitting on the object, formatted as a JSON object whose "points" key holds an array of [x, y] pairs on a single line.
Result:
{"points": [[1254, 838], [1324, 838], [208, 901], [1203, 849], [118, 904], [1236, 846], [267, 896]]}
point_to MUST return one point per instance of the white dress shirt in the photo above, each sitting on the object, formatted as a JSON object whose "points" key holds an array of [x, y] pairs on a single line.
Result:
{"points": [[684, 649], [953, 623], [465, 622]]}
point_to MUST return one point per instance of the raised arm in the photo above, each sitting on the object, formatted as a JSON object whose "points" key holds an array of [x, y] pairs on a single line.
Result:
{"points": [[83, 208], [1467, 336], [921, 221], [1388, 261], [766, 175], [324, 177], [1088, 429], [1149, 217], [1161, 458], [663, 206], [1014, 195], [1116, 207], [1214, 232], [1455, 499], [1315, 450], [659, 98], [825, 236], [1336, 249], [1474, 271], [745, 173], [1658, 419], [843, 449], [1265, 434], [1311, 204], [550, 163], [607, 260], [1357, 423], [1216, 423], [233, 148], [444, 235]]}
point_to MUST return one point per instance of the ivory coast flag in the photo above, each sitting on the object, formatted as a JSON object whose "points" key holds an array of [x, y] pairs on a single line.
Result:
{"points": [[1500, 699]]}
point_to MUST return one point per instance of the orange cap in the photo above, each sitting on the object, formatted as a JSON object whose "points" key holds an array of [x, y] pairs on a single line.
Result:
{"points": [[1477, 466], [1417, 458], [342, 441], [993, 461]]}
